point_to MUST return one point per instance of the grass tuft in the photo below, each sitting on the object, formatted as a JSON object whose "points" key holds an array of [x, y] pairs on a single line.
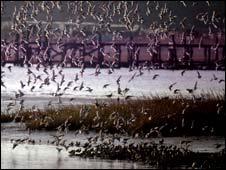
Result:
{"points": [[147, 117]]}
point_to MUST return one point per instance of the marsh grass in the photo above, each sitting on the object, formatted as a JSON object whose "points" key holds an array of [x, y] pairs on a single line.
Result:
{"points": [[147, 116], [7, 117], [157, 155]]}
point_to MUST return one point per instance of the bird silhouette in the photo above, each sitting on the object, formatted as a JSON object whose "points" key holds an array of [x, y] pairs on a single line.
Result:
{"points": [[118, 80], [89, 89], [195, 88], [155, 76], [10, 68], [15, 145], [58, 149], [109, 95], [2, 84], [105, 85], [221, 80], [199, 75], [214, 77], [218, 145], [182, 73], [81, 86], [176, 91], [133, 76], [171, 86]]}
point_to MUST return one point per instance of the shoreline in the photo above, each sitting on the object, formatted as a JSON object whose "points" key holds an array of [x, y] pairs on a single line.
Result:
{"points": [[34, 155]]}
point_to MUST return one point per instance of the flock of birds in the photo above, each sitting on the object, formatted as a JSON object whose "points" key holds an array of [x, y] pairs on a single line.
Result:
{"points": [[58, 78], [105, 15], [92, 147], [116, 147], [47, 75], [54, 77]]}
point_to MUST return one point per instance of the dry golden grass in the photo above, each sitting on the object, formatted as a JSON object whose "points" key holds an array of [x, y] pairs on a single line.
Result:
{"points": [[132, 116], [7, 117]]}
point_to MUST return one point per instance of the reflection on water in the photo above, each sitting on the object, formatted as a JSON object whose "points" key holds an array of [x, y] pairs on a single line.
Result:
{"points": [[46, 156]]}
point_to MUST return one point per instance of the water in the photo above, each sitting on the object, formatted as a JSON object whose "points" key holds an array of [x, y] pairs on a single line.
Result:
{"points": [[44, 155], [140, 86]]}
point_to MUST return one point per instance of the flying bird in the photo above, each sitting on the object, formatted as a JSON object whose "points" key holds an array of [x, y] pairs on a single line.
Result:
{"points": [[199, 75], [105, 85], [171, 86], [133, 76], [195, 86], [221, 80], [155, 76], [10, 68], [176, 91], [15, 145], [118, 80], [89, 89], [182, 73], [109, 95]]}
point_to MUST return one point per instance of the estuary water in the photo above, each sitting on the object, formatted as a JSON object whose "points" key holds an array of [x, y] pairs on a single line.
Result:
{"points": [[143, 84], [44, 155]]}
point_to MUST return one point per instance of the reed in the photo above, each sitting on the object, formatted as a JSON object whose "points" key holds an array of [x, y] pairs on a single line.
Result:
{"points": [[167, 116], [7, 117]]}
